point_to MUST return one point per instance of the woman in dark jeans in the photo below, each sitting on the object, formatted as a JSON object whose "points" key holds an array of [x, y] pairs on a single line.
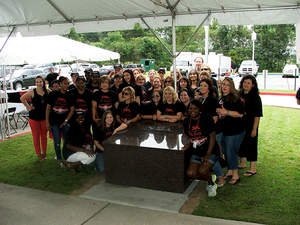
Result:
{"points": [[230, 122], [59, 111], [253, 111]]}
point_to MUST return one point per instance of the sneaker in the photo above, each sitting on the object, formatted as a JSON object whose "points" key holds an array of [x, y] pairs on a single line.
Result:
{"points": [[212, 190], [213, 178]]}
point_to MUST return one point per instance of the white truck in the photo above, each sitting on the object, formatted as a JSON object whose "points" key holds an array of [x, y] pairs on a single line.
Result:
{"points": [[185, 62], [248, 67]]}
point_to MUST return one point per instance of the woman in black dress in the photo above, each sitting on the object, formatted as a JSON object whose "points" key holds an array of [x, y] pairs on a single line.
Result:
{"points": [[253, 111]]}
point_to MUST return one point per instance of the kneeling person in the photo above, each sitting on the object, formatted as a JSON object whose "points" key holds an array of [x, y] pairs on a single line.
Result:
{"points": [[78, 145], [200, 129]]}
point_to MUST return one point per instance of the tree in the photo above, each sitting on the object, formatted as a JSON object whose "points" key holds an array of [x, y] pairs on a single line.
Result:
{"points": [[271, 46]]}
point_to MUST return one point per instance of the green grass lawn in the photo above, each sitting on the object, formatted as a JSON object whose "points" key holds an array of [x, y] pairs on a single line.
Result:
{"points": [[19, 166], [273, 195], [270, 197], [278, 91]]}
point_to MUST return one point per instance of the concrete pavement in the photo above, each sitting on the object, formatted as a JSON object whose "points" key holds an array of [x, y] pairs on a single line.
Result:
{"points": [[24, 206]]}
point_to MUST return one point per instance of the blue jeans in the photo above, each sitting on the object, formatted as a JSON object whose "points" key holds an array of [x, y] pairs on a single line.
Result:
{"points": [[99, 162], [230, 147], [59, 132], [213, 159]]}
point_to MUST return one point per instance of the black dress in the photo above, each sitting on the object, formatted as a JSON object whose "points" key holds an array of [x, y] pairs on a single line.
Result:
{"points": [[253, 108]]}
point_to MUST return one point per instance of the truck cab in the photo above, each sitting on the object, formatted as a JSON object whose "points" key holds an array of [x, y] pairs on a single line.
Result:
{"points": [[248, 67]]}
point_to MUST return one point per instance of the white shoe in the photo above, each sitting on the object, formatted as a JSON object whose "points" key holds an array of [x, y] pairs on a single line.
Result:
{"points": [[212, 190], [213, 178]]}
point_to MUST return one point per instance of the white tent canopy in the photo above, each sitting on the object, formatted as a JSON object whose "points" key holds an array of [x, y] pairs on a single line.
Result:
{"points": [[46, 49], [44, 17]]}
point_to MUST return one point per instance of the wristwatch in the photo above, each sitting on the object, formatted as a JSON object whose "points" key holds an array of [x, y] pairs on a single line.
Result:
{"points": [[66, 120]]}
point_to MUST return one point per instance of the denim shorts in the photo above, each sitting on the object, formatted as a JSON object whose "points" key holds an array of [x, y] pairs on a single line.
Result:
{"points": [[197, 159]]}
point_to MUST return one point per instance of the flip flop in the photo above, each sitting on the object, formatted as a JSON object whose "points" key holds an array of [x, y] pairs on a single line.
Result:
{"points": [[249, 174], [241, 167], [234, 181]]}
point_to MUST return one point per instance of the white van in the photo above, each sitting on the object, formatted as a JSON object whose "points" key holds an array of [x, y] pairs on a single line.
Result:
{"points": [[289, 70], [248, 67]]}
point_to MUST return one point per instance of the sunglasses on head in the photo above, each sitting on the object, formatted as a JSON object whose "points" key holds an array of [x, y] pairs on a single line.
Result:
{"points": [[125, 93], [204, 69], [155, 96]]}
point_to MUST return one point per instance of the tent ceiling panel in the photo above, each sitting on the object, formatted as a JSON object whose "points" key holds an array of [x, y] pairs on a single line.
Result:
{"points": [[36, 17]]}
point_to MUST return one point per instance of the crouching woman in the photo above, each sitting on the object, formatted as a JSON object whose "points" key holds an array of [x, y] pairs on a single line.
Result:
{"points": [[78, 145], [200, 129]]}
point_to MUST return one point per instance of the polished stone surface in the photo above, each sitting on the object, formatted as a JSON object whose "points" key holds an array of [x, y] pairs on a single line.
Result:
{"points": [[148, 155], [151, 134]]}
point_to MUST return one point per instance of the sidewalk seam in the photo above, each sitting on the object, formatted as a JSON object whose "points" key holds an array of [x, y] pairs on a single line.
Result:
{"points": [[104, 207]]}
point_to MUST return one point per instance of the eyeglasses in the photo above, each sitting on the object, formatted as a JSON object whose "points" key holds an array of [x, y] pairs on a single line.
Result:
{"points": [[125, 93], [168, 81], [202, 69], [155, 96]]}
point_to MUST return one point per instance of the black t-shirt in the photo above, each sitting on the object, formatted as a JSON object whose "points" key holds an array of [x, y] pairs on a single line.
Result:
{"points": [[60, 106], [148, 85], [101, 134], [210, 105], [39, 103], [146, 95], [51, 77], [128, 111], [148, 108], [78, 136], [231, 125], [253, 108], [198, 131], [82, 102], [171, 109], [185, 110], [105, 101]]}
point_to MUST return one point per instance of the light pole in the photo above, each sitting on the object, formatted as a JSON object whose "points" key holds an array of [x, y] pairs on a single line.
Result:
{"points": [[253, 38]]}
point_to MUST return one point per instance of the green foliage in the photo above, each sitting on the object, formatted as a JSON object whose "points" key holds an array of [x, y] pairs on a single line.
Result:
{"points": [[271, 45]]}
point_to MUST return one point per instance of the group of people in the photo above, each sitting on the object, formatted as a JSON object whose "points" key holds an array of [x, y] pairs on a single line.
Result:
{"points": [[220, 121]]}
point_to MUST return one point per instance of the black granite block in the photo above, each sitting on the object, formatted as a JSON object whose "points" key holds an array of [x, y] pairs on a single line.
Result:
{"points": [[148, 155]]}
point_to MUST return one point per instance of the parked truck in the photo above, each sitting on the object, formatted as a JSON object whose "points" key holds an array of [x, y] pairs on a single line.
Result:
{"points": [[218, 63]]}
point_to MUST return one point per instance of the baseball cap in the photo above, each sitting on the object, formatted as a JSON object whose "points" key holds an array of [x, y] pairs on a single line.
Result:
{"points": [[161, 70], [118, 66]]}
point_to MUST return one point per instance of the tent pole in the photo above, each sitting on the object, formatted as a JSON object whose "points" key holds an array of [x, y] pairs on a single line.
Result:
{"points": [[7, 38], [155, 35], [174, 48], [193, 35], [206, 28]]}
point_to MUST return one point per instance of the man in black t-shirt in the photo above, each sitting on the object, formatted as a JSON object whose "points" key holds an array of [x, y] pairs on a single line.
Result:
{"points": [[51, 76]]}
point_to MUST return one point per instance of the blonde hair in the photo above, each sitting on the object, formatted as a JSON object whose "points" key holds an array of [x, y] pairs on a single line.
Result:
{"points": [[171, 90], [131, 92], [140, 75]]}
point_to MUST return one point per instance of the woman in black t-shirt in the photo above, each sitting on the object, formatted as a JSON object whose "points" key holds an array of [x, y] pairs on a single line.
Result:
{"points": [[82, 100], [129, 80], [128, 110], [171, 109], [78, 144], [37, 112], [185, 99], [104, 99], [253, 111], [149, 110], [209, 102], [59, 111], [200, 130], [231, 126], [104, 130]]}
